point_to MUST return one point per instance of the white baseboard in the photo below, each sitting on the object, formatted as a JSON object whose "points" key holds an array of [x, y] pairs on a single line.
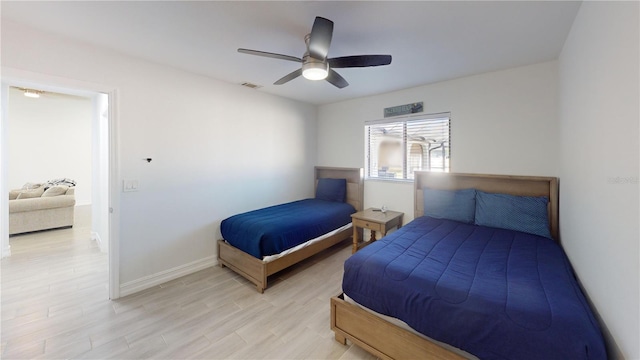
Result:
{"points": [[103, 246], [6, 252], [162, 277]]}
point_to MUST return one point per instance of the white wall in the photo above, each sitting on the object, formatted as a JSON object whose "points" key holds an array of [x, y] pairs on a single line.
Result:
{"points": [[599, 113], [50, 138], [503, 122], [217, 148]]}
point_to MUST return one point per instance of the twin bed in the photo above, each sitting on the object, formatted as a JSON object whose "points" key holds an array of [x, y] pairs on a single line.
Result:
{"points": [[260, 243], [467, 279]]}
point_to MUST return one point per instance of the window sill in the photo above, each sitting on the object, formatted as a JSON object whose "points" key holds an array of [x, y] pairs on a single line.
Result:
{"points": [[391, 180]]}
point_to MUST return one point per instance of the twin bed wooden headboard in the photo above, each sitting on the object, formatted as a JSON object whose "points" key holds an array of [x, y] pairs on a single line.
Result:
{"points": [[355, 182], [504, 184]]}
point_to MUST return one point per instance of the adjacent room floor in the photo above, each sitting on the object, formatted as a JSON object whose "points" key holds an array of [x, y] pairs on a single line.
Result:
{"points": [[54, 305]]}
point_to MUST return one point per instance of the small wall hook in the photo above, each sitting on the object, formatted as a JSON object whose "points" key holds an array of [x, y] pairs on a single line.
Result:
{"points": [[148, 160]]}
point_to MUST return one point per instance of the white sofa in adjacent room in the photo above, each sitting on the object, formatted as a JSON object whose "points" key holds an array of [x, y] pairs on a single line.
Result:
{"points": [[52, 209]]}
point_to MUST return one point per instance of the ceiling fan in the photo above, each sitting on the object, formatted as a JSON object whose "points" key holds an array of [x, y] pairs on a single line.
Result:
{"points": [[315, 64]]}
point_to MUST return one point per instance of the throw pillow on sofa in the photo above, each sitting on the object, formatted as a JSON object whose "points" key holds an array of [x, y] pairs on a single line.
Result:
{"points": [[13, 194], [55, 191], [29, 194], [31, 186]]}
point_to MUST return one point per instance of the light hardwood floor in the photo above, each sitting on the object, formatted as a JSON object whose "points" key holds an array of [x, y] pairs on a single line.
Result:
{"points": [[54, 306]]}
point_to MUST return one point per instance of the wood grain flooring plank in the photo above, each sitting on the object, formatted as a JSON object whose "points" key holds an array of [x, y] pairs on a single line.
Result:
{"points": [[146, 349], [173, 320], [185, 349], [222, 349], [105, 350], [260, 350], [65, 347]]}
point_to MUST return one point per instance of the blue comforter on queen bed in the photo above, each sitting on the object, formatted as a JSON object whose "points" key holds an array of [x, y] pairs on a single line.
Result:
{"points": [[497, 294], [273, 229]]}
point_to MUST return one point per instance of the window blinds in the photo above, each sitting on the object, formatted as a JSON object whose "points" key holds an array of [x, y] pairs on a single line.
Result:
{"points": [[398, 147]]}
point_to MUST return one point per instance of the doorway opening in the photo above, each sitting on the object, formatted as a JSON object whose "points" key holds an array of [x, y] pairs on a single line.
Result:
{"points": [[95, 212]]}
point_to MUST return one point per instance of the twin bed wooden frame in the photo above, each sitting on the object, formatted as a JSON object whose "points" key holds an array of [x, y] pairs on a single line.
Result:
{"points": [[257, 271], [388, 341]]}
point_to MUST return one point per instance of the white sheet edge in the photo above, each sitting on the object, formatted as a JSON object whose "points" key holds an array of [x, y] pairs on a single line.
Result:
{"points": [[270, 258]]}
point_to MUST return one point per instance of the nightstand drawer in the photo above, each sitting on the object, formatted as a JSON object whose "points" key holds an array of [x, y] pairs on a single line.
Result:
{"points": [[374, 220], [367, 224]]}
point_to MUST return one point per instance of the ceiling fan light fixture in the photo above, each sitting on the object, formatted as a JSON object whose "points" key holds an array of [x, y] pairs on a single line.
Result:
{"points": [[315, 70]]}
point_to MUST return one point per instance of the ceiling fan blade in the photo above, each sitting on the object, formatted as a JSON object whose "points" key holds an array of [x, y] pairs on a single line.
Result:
{"points": [[269, 55], [320, 38], [289, 77], [337, 80], [359, 61]]}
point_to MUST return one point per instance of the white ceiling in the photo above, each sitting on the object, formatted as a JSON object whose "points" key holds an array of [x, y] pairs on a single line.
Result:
{"points": [[429, 41]]}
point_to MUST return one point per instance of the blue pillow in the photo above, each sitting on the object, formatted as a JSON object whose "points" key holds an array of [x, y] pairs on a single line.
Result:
{"points": [[332, 190], [458, 205], [521, 213]]}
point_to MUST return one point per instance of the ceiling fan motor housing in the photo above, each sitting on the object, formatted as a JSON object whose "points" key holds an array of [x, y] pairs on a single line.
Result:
{"points": [[314, 69]]}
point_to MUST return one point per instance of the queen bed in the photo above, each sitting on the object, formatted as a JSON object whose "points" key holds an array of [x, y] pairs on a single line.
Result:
{"points": [[259, 243], [467, 279]]}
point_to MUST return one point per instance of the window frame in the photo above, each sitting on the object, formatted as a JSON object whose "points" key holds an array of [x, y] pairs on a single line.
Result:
{"points": [[405, 152]]}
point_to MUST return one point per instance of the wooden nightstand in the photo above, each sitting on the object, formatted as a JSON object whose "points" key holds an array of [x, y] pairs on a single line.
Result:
{"points": [[374, 221]]}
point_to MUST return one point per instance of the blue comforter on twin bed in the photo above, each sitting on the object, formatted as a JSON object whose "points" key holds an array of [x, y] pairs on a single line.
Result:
{"points": [[498, 294], [273, 229]]}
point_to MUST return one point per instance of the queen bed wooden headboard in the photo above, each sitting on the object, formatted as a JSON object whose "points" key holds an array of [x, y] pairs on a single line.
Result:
{"points": [[503, 184]]}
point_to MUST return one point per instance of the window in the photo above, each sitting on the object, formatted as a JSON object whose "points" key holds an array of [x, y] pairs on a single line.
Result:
{"points": [[398, 147]]}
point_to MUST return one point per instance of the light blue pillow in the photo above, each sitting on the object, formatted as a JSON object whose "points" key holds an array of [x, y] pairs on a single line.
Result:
{"points": [[521, 213], [332, 189], [458, 205]]}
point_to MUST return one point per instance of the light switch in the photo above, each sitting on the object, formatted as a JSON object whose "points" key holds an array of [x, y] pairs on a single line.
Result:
{"points": [[130, 185]]}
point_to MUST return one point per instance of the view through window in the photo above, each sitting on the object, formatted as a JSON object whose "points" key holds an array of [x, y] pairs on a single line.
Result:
{"points": [[398, 147]]}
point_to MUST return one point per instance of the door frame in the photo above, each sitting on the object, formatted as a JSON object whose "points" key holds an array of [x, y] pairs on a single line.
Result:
{"points": [[27, 79]]}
